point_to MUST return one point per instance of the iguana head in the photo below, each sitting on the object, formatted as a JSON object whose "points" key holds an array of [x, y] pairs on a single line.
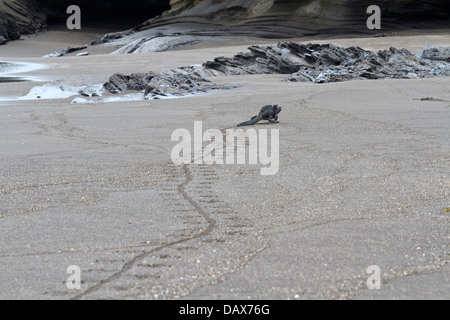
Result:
{"points": [[277, 108]]}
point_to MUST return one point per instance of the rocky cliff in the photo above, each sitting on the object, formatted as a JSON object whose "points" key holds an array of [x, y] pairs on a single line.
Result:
{"points": [[265, 18], [300, 17], [19, 17], [310, 8]]}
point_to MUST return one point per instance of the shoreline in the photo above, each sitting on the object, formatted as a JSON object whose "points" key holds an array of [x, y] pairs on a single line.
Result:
{"points": [[44, 69], [21, 72]]}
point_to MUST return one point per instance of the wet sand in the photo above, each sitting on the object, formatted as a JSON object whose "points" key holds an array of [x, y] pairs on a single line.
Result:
{"points": [[363, 181]]}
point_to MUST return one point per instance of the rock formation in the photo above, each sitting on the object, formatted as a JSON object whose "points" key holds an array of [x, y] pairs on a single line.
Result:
{"points": [[167, 42], [18, 17], [329, 63], [269, 18], [299, 62], [256, 18], [434, 53], [64, 52], [207, 21], [180, 82], [168, 83], [119, 82]]}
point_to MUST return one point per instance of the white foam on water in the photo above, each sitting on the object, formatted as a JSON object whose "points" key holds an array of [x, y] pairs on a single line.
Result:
{"points": [[14, 67], [124, 98], [49, 92], [132, 97], [8, 98], [10, 71], [52, 91]]}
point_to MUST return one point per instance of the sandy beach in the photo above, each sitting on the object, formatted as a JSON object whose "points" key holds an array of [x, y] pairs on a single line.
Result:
{"points": [[363, 181]]}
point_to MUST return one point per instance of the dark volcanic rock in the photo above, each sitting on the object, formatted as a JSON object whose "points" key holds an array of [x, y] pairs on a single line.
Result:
{"points": [[119, 82], [291, 18], [179, 82], [251, 18], [263, 60], [336, 64], [64, 52], [302, 62], [168, 83], [328, 63], [435, 53], [19, 17]]}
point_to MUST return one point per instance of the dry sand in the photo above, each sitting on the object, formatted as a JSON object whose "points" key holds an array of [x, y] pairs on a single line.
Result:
{"points": [[363, 180]]}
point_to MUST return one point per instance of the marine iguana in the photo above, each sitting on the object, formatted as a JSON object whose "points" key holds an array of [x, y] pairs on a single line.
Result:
{"points": [[269, 113]]}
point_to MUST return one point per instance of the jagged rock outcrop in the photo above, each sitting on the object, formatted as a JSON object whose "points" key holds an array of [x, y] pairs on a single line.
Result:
{"points": [[18, 17], [335, 64], [119, 82], [329, 63], [299, 62], [435, 53], [168, 83], [179, 82]]}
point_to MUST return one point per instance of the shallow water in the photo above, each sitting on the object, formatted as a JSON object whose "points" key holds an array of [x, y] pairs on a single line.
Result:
{"points": [[12, 79], [8, 71], [7, 68]]}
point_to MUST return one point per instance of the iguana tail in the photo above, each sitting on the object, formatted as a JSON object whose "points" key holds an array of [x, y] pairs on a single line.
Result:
{"points": [[251, 122]]}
